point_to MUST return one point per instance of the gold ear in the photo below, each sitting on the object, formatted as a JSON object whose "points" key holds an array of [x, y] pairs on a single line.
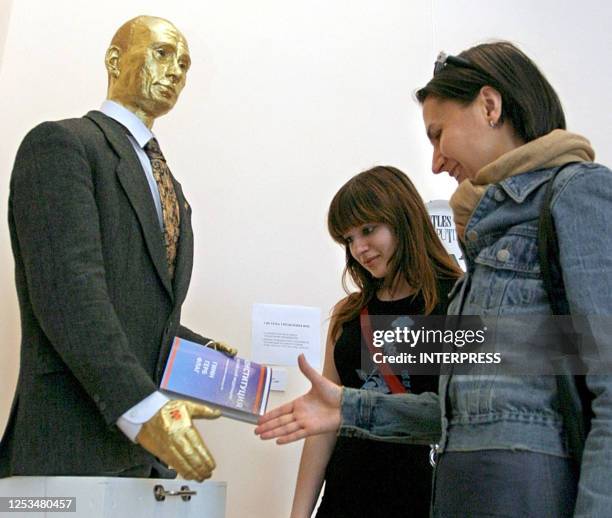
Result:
{"points": [[111, 60]]}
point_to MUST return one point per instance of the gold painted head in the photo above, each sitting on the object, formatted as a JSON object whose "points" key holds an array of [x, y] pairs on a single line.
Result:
{"points": [[147, 63]]}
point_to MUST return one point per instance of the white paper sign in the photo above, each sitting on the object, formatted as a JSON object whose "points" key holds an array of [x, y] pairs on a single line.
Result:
{"points": [[441, 216], [281, 333]]}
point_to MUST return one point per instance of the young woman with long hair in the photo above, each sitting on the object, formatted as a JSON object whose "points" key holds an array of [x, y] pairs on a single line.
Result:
{"points": [[399, 266]]}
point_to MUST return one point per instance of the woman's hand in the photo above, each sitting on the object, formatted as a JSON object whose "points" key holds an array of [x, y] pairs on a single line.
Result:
{"points": [[317, 411]]}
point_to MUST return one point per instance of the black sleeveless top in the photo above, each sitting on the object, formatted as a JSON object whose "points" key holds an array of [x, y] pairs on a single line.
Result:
{"points": [[366, 478]]}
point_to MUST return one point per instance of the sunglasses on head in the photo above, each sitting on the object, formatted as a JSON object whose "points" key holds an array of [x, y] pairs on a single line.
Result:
{"points": [[443, 60]]}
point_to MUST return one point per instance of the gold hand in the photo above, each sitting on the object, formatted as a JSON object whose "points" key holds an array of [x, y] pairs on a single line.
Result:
{"points": [[171, 436]]}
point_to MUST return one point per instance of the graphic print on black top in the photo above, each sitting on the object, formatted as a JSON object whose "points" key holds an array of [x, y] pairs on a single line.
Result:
{"points": [[372, 378]]}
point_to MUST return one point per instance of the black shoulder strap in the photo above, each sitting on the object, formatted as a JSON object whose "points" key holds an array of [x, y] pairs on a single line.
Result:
{"points": [[577, 422], [548, 248]]}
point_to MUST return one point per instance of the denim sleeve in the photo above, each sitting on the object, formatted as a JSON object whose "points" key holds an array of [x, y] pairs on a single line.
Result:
{"points": [[401, 418], [582, 212]]}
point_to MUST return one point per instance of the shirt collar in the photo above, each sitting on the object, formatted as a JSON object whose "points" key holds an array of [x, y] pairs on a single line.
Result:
{"points": [[125, 117]]}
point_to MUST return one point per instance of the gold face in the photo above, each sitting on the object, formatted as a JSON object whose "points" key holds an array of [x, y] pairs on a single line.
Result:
{"points": [[148, 74]]}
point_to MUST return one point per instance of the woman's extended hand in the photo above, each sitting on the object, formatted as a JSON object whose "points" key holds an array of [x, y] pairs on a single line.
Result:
{"points": [[317, 411]]}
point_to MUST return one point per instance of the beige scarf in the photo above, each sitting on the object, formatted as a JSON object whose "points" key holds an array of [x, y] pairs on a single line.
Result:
{"points": [[552, 150]]}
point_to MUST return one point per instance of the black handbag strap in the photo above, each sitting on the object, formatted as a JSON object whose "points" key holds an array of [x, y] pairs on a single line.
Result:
{"points": [[548, 248], [577, 422]]}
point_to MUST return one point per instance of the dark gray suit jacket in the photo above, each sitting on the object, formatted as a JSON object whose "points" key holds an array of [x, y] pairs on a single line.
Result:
{"points": [[98, 308]]}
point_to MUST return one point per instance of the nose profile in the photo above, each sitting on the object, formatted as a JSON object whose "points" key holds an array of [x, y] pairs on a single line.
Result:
{"points": [[437, 162]]}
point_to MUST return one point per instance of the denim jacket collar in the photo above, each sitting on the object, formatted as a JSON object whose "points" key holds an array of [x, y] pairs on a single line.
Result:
{"points": [[520, 186]]}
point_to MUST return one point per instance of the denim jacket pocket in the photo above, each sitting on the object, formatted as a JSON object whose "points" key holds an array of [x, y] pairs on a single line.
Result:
{"points": [[509, 273], [515, 252]]}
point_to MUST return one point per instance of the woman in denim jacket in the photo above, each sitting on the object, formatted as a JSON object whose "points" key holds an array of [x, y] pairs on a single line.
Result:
{"points": [[497, 126]]}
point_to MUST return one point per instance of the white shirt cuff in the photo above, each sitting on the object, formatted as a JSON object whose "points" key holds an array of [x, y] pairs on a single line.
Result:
{"points": [[131, 422]]}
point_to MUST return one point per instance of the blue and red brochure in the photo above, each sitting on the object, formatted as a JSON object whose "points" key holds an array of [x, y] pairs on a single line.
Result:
{"points": [[238, 387]]}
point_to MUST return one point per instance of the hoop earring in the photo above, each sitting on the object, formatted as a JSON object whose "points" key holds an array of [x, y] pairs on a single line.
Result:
{"points": [[493, 124]]}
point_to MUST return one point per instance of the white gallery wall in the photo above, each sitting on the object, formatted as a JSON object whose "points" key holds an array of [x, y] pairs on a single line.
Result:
{"points": [[284, 102]]}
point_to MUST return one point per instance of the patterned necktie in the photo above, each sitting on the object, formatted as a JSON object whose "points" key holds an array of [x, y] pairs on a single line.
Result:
{"points": [[169, 203]]}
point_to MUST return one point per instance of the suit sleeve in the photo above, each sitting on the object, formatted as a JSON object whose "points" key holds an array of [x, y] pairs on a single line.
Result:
{"points": [[56, 222], [192, 336]]}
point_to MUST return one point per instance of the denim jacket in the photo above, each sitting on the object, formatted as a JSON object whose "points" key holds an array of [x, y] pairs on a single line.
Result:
{"points": [[503, 278]]}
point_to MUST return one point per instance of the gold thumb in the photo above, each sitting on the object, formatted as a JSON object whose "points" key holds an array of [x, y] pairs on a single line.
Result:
{"points": [[198, 411]]}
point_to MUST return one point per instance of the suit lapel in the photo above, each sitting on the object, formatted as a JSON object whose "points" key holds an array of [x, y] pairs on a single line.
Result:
{"points": [[134, 183]]}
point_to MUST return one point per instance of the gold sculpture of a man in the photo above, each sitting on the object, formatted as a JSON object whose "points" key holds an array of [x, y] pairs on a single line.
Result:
{"points": [[103, 247]]}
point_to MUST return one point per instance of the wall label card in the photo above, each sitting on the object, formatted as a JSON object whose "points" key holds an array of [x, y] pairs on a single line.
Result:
{"points": [[281, 333]]}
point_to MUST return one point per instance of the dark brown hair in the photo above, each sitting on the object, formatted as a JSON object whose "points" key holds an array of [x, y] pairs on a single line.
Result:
{"points": [[529, 102], [384, 194]]}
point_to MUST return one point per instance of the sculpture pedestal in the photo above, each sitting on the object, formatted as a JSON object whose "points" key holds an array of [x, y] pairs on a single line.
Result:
{"points": [[108, 497]]}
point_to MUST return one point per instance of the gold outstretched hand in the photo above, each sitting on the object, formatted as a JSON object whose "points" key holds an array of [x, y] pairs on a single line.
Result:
{"points": [[171, 436]]}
